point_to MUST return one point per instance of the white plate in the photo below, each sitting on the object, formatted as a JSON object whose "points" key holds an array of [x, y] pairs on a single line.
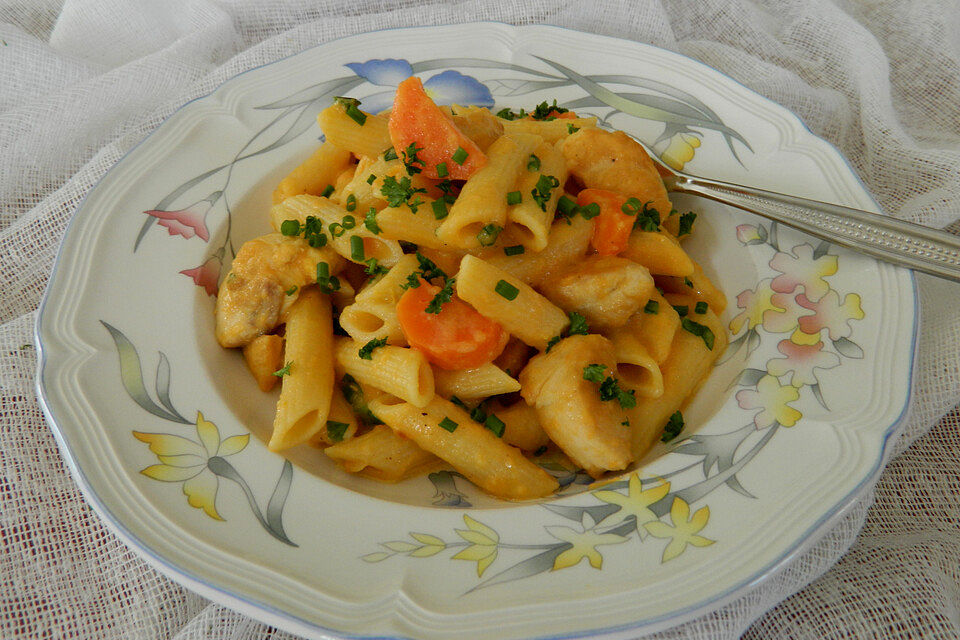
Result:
{"points": [[778, 442]]}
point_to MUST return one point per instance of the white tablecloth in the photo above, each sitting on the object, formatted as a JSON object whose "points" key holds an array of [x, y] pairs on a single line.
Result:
{"points": [[82, 81]]}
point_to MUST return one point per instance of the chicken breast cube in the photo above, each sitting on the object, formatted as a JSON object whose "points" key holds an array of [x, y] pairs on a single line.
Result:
{"points": [[590, 431], [606, 290], [263, 282]]}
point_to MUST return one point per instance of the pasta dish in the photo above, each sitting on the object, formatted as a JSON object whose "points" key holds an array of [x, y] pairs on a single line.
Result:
{"points": [[453, 286]]}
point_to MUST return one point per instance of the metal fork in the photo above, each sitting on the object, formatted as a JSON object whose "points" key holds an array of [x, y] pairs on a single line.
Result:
{"points": [[896, 241]]}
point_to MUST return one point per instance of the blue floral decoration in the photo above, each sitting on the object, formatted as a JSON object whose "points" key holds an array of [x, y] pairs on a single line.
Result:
{"points": [[448, 87]]}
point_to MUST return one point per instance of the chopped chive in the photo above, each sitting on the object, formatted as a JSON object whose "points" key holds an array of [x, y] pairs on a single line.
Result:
{"points": [[348, 222], [442, 170], [514, 250], [390, 154], [370, 221], [292, 290], [681, 309], [652, 307], [284, 371], [533, 163], [700, 307], [567, 206], [323, 271], [700, 330], [488, 235], [495, 424], [625, 423], [589, 211], [688, 282], [460, 403], [350, 106], [506, 290], [356, 249], [541, 192], [448, 424], [439, 209], [371, 178], [351, 203], [326, 192], [673, 427], [514, 197], [366, 351], [290, 227], [460, 156], [336, 229], [336, 430], [326, 282]]}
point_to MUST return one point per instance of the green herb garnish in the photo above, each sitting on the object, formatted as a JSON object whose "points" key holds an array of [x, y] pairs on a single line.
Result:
{"points": [[356, 249], [495, 424], [533, 163], [444, 295], [541, 192], [284, 371], [336, 430], [390, 154], [370, 221], [514, 250], [488, 235], [514, 197], [652, 307], [439, 209], [326, 192], [399, 192], [700, 307], [700, 330], [366, 351], [578, 324], [351, 105], [410, 159], [460, 156], [442, 170], [686, 223], [448, 424], [673, 427], [351, 204], [506, 290]]}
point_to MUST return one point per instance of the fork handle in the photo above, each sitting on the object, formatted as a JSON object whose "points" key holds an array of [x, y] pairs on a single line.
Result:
{"points": [[885, 238]]}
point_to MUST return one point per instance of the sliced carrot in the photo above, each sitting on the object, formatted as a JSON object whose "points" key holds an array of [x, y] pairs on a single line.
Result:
{"points": [[611, 229], [416, 119], [456, 338]]}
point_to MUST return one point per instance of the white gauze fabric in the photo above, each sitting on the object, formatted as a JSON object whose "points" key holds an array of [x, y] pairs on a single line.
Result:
{"points": [[82, 81]]}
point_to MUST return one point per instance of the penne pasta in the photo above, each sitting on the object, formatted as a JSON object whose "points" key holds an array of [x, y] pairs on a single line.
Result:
{"points": [[567, 242], [659, 252], [373, 314], [308, 383], [698, 285], [530, 220], [446, 430], [383, 455], [341, 423], [636, 368], [522, 426], [551, 131], [399, 371], [315, 174], [474, 384], [369, 139]]}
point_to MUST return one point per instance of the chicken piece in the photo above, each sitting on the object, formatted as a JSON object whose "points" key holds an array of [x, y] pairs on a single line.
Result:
{"points": [[606, 290], [616, 162], [589, 430], [264, 280]]}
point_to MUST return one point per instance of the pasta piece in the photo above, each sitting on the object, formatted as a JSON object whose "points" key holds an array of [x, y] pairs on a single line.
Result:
{"points": [[383, 455], [314, 174], [589, 430], [447, 431], [373, 314], [507, 300], [420, 227], [264, 280], [399, 371], [299, 208], [551, 131], [341, 423], [514, 357], [308, 385], [567, 242], [483, 199], [522, 426], [696, 284], [654, 326], [474, 384], [684, 369], [264, 356], [369, 139], [659, 252], [606, 290], [636, 368], [616, 162], [478, 124], [530, 220]]}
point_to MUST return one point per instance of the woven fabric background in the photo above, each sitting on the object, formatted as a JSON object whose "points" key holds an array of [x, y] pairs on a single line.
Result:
{"points": [[81, 81]]}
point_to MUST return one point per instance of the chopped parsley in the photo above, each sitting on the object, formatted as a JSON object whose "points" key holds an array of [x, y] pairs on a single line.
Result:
{"points": [[541, 192], [533, 163], [686, 223], [397, 192], [413, 281], [350, 105], [390, 154], [700, 330], [572, 129], [373, 268], [354, 394], [448, 424], [351, 204], [673, 427], [700, 307], [370, 221], [648, 218], [609, 387], [544, 111], [460, 156], [292, 290], [336, 430], [652, 307], [410, 159], [444, 295], [552, 343], [514, 250], [507, 114], [284, 371], [488, 235], [514, 197], [366, 351], [428, 268], [506, 290], [578, 325]]}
